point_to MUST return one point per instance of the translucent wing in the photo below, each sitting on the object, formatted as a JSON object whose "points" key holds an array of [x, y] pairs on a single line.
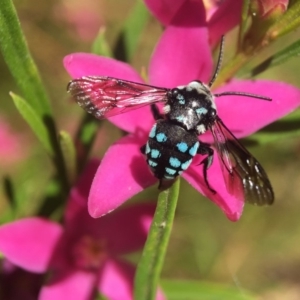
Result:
{"points": [[245, 178], [104, 97]]}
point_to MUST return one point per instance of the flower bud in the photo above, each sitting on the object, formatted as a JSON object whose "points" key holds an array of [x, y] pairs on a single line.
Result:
{"points": [[268, 9]]}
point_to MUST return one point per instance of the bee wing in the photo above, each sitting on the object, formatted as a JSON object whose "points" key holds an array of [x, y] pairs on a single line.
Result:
{"points": [[245, 178], [104, 97]]}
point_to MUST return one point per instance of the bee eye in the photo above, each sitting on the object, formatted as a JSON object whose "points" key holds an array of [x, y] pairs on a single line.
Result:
{"points": [[173, 94]]}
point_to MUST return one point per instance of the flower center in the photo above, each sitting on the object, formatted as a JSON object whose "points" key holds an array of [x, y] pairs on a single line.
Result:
{"points": [[89, 253]]}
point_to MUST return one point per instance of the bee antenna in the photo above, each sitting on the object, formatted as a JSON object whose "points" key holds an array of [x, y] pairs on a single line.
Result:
{"points": [[243, 94], [219, 63]]}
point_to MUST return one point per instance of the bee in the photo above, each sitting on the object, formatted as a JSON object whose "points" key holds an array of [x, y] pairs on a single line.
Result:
{"points": [[189, 111]]}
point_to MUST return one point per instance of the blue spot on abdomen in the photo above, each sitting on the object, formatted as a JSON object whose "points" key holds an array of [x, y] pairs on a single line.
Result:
{"points": [[155, 153], [161, 137], [193, 150], [153, 131], [186, 164], [182, 146], [152, 163], [174, 162], [170, 171], [147, 148]]}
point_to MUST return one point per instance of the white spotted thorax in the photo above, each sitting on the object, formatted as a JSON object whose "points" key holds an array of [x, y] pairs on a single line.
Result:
{"points": [[191, 106]]}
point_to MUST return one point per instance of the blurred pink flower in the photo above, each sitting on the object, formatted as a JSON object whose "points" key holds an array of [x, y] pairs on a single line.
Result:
{"points": [[16, 283], [12, 144], [84, 17], [181, 55], [83, 255], [218, 16]]}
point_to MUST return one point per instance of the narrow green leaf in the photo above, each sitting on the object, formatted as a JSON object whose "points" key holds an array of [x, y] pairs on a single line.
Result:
{"points": [[34, 121], [9, 190], [69, 155], [85, 137], [37, 112], [286, 127], [278, 58], [100, 45], [151, 262], [133, 28], [193, 290], [243, 23], [16, 55], [286, 23]]}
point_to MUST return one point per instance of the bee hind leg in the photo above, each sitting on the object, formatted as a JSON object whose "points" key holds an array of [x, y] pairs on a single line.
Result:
{"points": [[205, 149]]}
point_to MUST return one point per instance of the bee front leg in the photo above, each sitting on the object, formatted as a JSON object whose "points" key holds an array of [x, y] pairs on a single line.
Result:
{"points": [[155, 112]]}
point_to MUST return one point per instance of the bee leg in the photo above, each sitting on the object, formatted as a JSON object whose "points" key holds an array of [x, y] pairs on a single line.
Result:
{"points": [[155, 112], [205, 149]]}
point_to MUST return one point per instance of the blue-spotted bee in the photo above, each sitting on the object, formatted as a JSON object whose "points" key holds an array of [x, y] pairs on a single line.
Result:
{"points": [[189, 111]]}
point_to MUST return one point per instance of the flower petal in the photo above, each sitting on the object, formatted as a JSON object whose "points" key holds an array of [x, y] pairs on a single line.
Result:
{"points": [[139, 119], [183, 13], [122, 174], [71, 284], [119, 274], [116, 274], [85, 64], [226, 17], [165, 10], [244, 115], [231, 206], [125, 230], [29, 243], [181, 55], [120, 235]]}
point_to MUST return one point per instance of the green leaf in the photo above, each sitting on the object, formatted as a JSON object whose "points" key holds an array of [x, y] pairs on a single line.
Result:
{"points": [[85, 138], [150, 264], [287, 127], [34, 121], [100, 45], [278, 58], [193, 290], [286, 23], [16, 55], [69, 155], [37, 112], [243, 23], [9, 190], [133, 28]]}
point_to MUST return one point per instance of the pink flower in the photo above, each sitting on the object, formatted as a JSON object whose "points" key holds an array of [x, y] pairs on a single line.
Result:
{"points": [[16, 283], [83, 17], [181, 55], [83, 254], [220, 17], [13, 147]]}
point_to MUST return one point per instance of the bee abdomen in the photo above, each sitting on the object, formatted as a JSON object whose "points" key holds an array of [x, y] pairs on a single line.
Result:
{"points": [[170, 149]]}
